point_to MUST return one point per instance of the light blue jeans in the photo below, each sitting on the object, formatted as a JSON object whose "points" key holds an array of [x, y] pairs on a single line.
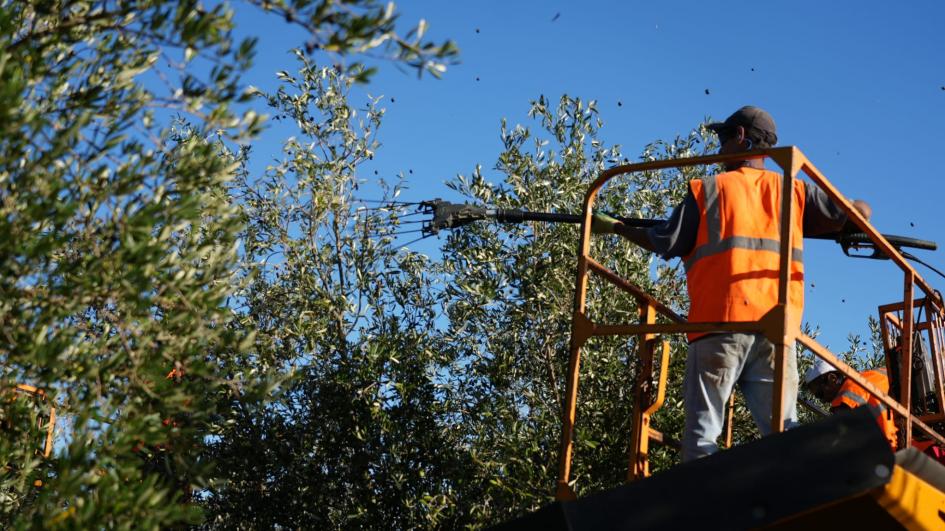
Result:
{"points": [[714, 365]]}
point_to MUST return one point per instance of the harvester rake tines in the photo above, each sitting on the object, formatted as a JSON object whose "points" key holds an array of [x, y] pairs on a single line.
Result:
{"points": [[397, 217], [387, 208]]}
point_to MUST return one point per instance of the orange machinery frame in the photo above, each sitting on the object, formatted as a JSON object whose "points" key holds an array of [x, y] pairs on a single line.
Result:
{"points": [[775, 325], [926, 321]]}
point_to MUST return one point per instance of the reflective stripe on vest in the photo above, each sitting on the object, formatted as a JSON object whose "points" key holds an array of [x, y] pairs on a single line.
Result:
{"points": [[852, 393], [740, 242], [857, 399], [715, 245]]}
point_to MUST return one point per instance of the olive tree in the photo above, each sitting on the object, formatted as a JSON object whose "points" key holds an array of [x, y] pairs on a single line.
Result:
{"points": [[120, 255], [353, 436]]}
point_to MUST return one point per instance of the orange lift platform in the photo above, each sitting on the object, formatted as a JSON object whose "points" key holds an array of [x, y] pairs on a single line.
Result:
{"points": [[834, 473], [838, 473]]}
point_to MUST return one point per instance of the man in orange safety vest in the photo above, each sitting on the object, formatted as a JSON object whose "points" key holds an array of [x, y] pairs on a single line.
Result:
{"points": [[830, 386], [727, 232]]}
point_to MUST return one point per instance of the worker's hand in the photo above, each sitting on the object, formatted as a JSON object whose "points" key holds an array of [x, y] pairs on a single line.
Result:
{"points": [[604, 224], [864, 208]]}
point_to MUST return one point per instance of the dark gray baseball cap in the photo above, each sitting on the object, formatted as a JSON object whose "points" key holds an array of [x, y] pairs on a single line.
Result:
{"points": [[756, 121]]}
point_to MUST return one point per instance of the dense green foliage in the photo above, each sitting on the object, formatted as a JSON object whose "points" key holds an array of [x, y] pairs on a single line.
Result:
{"points": [[353, 436], [120, 252]]}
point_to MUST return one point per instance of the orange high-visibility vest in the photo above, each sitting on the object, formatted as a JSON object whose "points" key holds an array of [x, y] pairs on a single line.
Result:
{"points": [[853, 396], [732, 271]]}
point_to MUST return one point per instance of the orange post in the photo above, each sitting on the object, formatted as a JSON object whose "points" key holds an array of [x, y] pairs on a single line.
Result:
{"points": [[581, 330], [640, 438], [905, 360], [782, 328]]}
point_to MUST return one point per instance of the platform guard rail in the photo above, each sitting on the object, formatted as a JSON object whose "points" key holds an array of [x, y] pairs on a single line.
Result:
{"points": [[775, 325]]}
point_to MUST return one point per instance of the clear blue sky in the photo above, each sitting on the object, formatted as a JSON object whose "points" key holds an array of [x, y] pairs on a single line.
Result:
{"points": [[858, 86]]}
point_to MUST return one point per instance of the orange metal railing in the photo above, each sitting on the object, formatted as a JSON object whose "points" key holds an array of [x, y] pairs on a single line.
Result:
{"points": [[779, 325]]}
